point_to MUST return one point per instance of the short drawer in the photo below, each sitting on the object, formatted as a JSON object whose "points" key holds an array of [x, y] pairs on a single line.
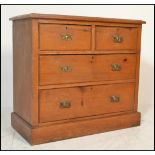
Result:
{"points": [[64, 37], [65, 103], [61, 69], [116, 38]]}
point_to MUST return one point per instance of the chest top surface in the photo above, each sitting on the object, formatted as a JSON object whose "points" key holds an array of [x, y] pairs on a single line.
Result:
{"points": [[78, 18]]}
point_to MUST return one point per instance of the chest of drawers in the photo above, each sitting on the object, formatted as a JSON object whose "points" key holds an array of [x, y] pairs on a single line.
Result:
{"points": [[74, 76]]}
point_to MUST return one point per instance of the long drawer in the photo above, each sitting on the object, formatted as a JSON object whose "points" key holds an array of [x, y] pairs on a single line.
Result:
{"points": [[65, 103], [84, 68]]}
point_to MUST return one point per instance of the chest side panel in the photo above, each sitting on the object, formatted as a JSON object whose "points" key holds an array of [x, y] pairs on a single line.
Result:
{"points": [[22, 68]]}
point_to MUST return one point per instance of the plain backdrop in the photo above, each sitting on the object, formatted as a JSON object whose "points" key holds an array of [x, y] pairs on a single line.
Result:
{"points": [[144, 139]]}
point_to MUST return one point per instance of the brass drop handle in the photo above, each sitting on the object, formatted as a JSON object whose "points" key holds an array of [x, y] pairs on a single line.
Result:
{"points": [[117, 39], [66, 37], [65, 104], [115, 98], [66, 68], [116, 67]]}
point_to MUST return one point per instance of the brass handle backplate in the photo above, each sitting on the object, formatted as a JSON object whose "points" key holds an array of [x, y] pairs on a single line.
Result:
{"points": [[66, 69], [117, 39], [66, 37], [115, 98], [65, 104], [116, 67]]}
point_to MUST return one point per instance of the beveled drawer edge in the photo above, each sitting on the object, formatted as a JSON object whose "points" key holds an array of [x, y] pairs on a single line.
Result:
{"points": [[75, 29], [86, 84], [88, 23], [44, 52], [84, 118]]}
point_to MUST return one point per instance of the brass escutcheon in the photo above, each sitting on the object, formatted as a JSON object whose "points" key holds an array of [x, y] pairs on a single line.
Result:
{"points": [[66, 69], [115, 98], [65, 104], [117, 39], [116, 67], [66, 37]]}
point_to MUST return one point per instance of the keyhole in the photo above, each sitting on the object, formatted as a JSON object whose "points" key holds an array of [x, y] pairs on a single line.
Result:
{"points": [[82, 103], [125, 59], [92, 59]]}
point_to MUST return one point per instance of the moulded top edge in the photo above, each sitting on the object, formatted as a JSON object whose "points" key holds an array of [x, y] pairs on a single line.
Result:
{"points": [[76, 18]]}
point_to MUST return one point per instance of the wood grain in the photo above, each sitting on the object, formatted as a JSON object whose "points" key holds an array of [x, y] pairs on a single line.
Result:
{"points": [[51, 37], [40, 83], [85, 68], [85, 101], [137, 67], [77, 18], [86, 84], [35, 63], [21, 126], [87, 23], [22, 69], [72, 129], [104, 38], [87, 52]]}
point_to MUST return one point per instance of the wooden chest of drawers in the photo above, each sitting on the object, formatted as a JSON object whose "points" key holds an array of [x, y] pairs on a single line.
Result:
{"points": [[74, 76]]}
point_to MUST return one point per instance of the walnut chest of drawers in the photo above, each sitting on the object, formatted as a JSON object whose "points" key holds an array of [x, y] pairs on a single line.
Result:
{"points": [[74, 76]]}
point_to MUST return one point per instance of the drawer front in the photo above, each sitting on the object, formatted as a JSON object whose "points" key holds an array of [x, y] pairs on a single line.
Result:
{"points": [[115, 38], [65, 37], [85, 68], [65, 103]]}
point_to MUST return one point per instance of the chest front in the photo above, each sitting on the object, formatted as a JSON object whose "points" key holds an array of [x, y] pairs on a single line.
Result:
{"points": [[74, 76]]}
